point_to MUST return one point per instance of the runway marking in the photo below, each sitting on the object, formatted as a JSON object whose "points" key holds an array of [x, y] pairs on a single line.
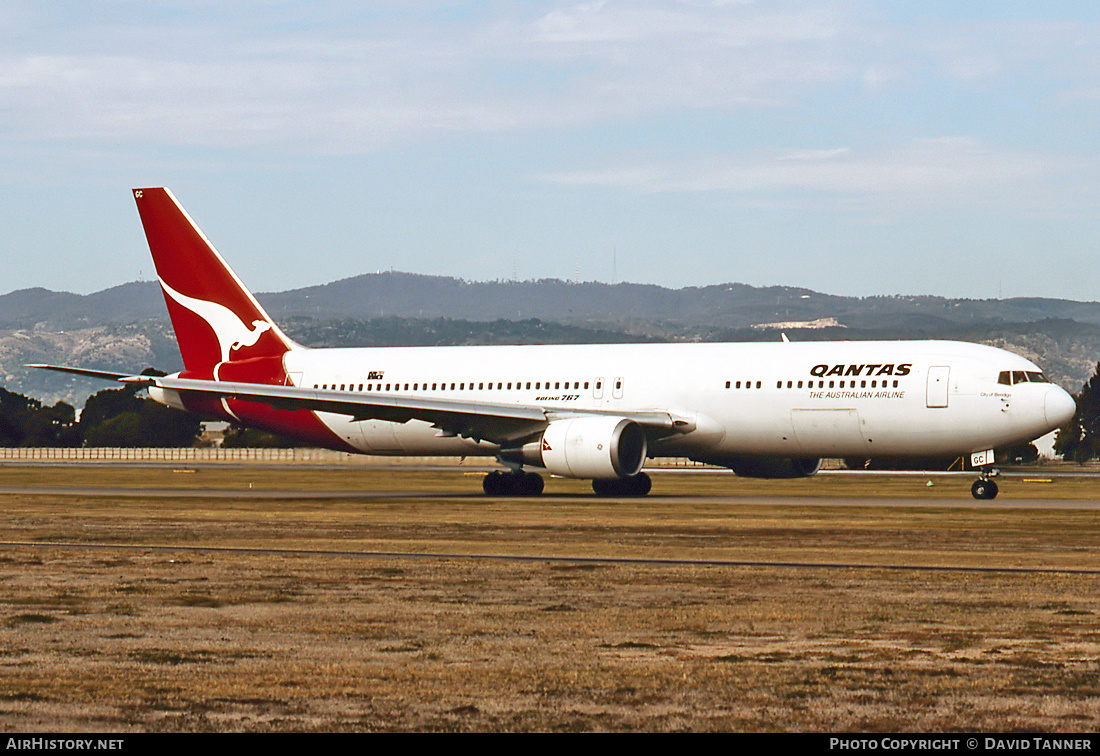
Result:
{"points": [[647, 561]]}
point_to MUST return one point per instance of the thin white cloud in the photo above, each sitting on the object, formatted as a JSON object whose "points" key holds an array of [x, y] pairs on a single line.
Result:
{"points": [[986, 50], [601, 27], [351, 78], [354, 81], [956, 170]]}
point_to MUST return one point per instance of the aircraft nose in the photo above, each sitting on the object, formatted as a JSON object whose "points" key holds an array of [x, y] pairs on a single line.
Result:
{"points": [[1059, 406]]}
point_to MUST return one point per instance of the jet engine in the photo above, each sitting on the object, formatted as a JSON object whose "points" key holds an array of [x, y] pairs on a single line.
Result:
{"points": [[586, 447], [768, 467]]}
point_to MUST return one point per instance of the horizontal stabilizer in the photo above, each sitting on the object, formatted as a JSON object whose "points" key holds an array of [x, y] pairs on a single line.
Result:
{"points": [[103, 374]]}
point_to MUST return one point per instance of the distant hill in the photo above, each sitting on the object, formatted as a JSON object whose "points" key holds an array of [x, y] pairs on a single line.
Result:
{"points": [[409, 295], [724, 305], [126, 327], [127, 303]]}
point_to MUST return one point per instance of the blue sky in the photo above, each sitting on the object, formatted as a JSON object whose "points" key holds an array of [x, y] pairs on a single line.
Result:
{"points": [[849, 147]]}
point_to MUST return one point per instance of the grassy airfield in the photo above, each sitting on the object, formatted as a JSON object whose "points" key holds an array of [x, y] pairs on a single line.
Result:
{"points": [[144, 639]]}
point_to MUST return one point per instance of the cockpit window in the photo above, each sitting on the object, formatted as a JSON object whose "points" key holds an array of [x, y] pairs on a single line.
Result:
{"points": [[1010, 377]]}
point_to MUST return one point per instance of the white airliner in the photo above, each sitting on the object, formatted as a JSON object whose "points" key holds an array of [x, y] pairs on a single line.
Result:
{"points": [[591, 411]]}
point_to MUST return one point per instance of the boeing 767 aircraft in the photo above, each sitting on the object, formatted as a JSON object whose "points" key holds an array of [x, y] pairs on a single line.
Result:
{"points": [[592, 411]]}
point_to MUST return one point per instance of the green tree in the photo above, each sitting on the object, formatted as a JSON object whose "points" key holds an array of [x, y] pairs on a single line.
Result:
{"points": [[1079, 439], [12, 408], [164, 426], [51, 426], [118, 431], [106, 404], [118, 417], [25, 422]]}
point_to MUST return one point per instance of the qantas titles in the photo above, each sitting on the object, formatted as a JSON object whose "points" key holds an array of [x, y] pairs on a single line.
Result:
{"points": [[821, 371]]}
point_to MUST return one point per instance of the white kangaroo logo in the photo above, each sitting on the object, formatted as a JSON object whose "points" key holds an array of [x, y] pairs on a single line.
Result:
{"points": [[232, 332]]}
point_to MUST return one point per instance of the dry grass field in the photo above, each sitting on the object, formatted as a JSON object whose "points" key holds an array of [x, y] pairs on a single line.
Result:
{"points": [[135, 638]]}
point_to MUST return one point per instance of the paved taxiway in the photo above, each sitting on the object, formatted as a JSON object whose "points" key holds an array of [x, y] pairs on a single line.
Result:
{"points": [[469, 491], [471, 495]]}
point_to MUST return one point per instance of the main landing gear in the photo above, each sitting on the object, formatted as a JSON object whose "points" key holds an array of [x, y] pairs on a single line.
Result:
{"points": [[985, 487], [520, 483], [513, 483], [635, 485]]}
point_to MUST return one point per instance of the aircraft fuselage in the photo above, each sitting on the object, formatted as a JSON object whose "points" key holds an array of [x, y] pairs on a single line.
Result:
{"points": [[812, 399]]}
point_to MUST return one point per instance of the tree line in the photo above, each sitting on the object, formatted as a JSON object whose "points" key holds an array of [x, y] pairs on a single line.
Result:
{"points": [[113, 417]]}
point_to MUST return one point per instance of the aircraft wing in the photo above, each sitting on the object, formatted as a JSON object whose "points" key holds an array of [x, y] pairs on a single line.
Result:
{"points": [[498, 423]]}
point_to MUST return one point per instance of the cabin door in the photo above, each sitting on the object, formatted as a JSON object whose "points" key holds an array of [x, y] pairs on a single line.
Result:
{"points": [[938, 380]]}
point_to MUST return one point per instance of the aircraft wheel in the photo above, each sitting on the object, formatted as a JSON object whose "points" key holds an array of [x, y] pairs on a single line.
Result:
{"points": [[640, 485], [494, 484], [984, 489], [635, 485], [530, 484], [604, 486], [516, 483]]}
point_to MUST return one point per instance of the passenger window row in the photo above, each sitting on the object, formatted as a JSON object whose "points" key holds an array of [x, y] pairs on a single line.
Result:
{"points": [[456, 386], [874, 383]]}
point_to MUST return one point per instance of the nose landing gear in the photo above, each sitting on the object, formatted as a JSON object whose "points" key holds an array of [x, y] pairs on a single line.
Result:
{"points": [[985, 487]]}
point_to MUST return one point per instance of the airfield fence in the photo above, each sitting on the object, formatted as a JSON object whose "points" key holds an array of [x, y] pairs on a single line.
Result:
{"points": [[269, 456], [169, 454]]}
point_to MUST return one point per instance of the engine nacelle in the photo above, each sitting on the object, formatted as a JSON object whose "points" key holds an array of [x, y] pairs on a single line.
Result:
{"points": [[768, 467], [587, 447]]}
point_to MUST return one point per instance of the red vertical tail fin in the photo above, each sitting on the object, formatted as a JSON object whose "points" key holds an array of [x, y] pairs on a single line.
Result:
{"points": [[215, 317]]}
